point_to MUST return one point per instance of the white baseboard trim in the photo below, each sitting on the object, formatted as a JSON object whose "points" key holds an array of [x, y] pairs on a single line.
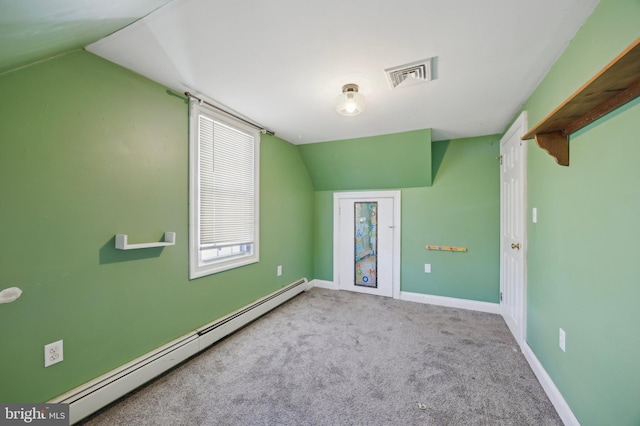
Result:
{"points": [[329, 285], [558, 401], [451, 302]]}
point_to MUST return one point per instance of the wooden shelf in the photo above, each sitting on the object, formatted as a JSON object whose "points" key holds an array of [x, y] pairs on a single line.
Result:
{"points": [[615, 85], [122, 242]]}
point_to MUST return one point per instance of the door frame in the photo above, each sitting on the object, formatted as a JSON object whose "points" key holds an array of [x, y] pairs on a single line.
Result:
{"points": [[365, 196], [519, 127]]}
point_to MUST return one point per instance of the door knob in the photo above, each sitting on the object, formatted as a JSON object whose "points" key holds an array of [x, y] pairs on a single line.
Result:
{"points": [[515, 246]]}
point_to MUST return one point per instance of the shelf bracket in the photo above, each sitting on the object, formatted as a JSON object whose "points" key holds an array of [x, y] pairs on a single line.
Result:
{"points": [[615, 85], [556, 144], [123, 244]]}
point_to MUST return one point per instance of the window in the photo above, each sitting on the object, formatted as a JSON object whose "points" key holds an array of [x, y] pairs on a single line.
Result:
{"points": [[224, 159]]}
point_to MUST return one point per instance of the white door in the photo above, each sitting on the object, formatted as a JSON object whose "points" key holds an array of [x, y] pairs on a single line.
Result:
{"points": [[513, 228], [365, 246]]}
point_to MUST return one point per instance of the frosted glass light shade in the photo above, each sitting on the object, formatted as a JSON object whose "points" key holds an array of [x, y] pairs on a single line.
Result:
{"points": [[350, 102]]}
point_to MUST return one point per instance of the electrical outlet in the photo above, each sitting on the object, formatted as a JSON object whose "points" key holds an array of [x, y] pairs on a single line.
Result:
{"points": [[563, 340], [534, 215], [53, 353], [279, 270], [427, 268]]}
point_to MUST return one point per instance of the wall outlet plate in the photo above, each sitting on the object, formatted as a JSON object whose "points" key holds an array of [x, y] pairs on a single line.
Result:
{"points": [[279, 270], [53, 353], [562, 340], [427, 268]]}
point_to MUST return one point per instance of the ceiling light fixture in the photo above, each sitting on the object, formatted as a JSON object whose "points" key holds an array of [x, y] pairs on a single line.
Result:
{"points": [[350, 102]]}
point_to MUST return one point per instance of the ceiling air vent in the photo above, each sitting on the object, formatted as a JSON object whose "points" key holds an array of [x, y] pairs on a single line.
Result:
{"points": [[410, 74]]}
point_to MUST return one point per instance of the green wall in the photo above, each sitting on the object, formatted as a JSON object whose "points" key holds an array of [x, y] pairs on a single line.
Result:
{"points": [[462, 208], [89, 150], [399, 160], [583, 252]]}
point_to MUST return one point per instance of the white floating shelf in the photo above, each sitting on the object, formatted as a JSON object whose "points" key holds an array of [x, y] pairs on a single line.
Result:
{"points": [[122, 244]]}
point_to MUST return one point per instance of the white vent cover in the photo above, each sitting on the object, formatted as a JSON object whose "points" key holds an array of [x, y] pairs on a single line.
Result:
{"points": [[410, 74]]}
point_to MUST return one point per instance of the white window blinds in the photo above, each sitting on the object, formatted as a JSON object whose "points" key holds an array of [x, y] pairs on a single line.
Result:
{"points": [[227, 185], [223, 192]]}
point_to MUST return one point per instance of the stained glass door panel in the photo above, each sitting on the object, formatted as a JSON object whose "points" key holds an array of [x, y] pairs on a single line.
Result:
{"points": [[366, 244]]}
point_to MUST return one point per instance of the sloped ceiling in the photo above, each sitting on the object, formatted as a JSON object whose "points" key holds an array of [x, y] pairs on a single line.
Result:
{"points": [[282, 63], [31, 30]]}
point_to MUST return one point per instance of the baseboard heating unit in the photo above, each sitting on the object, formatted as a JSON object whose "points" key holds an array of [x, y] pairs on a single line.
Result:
{"points": [[92, 396]]}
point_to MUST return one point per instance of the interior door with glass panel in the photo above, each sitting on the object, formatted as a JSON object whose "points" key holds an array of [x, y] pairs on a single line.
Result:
{"points": [[366, 230]]}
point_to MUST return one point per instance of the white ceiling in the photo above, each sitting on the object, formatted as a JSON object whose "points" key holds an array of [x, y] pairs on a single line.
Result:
{"points": [[32, 30], [282, 63]]}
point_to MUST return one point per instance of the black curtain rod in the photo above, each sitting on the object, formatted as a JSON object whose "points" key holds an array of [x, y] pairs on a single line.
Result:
{"points": [[262, 129]]}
